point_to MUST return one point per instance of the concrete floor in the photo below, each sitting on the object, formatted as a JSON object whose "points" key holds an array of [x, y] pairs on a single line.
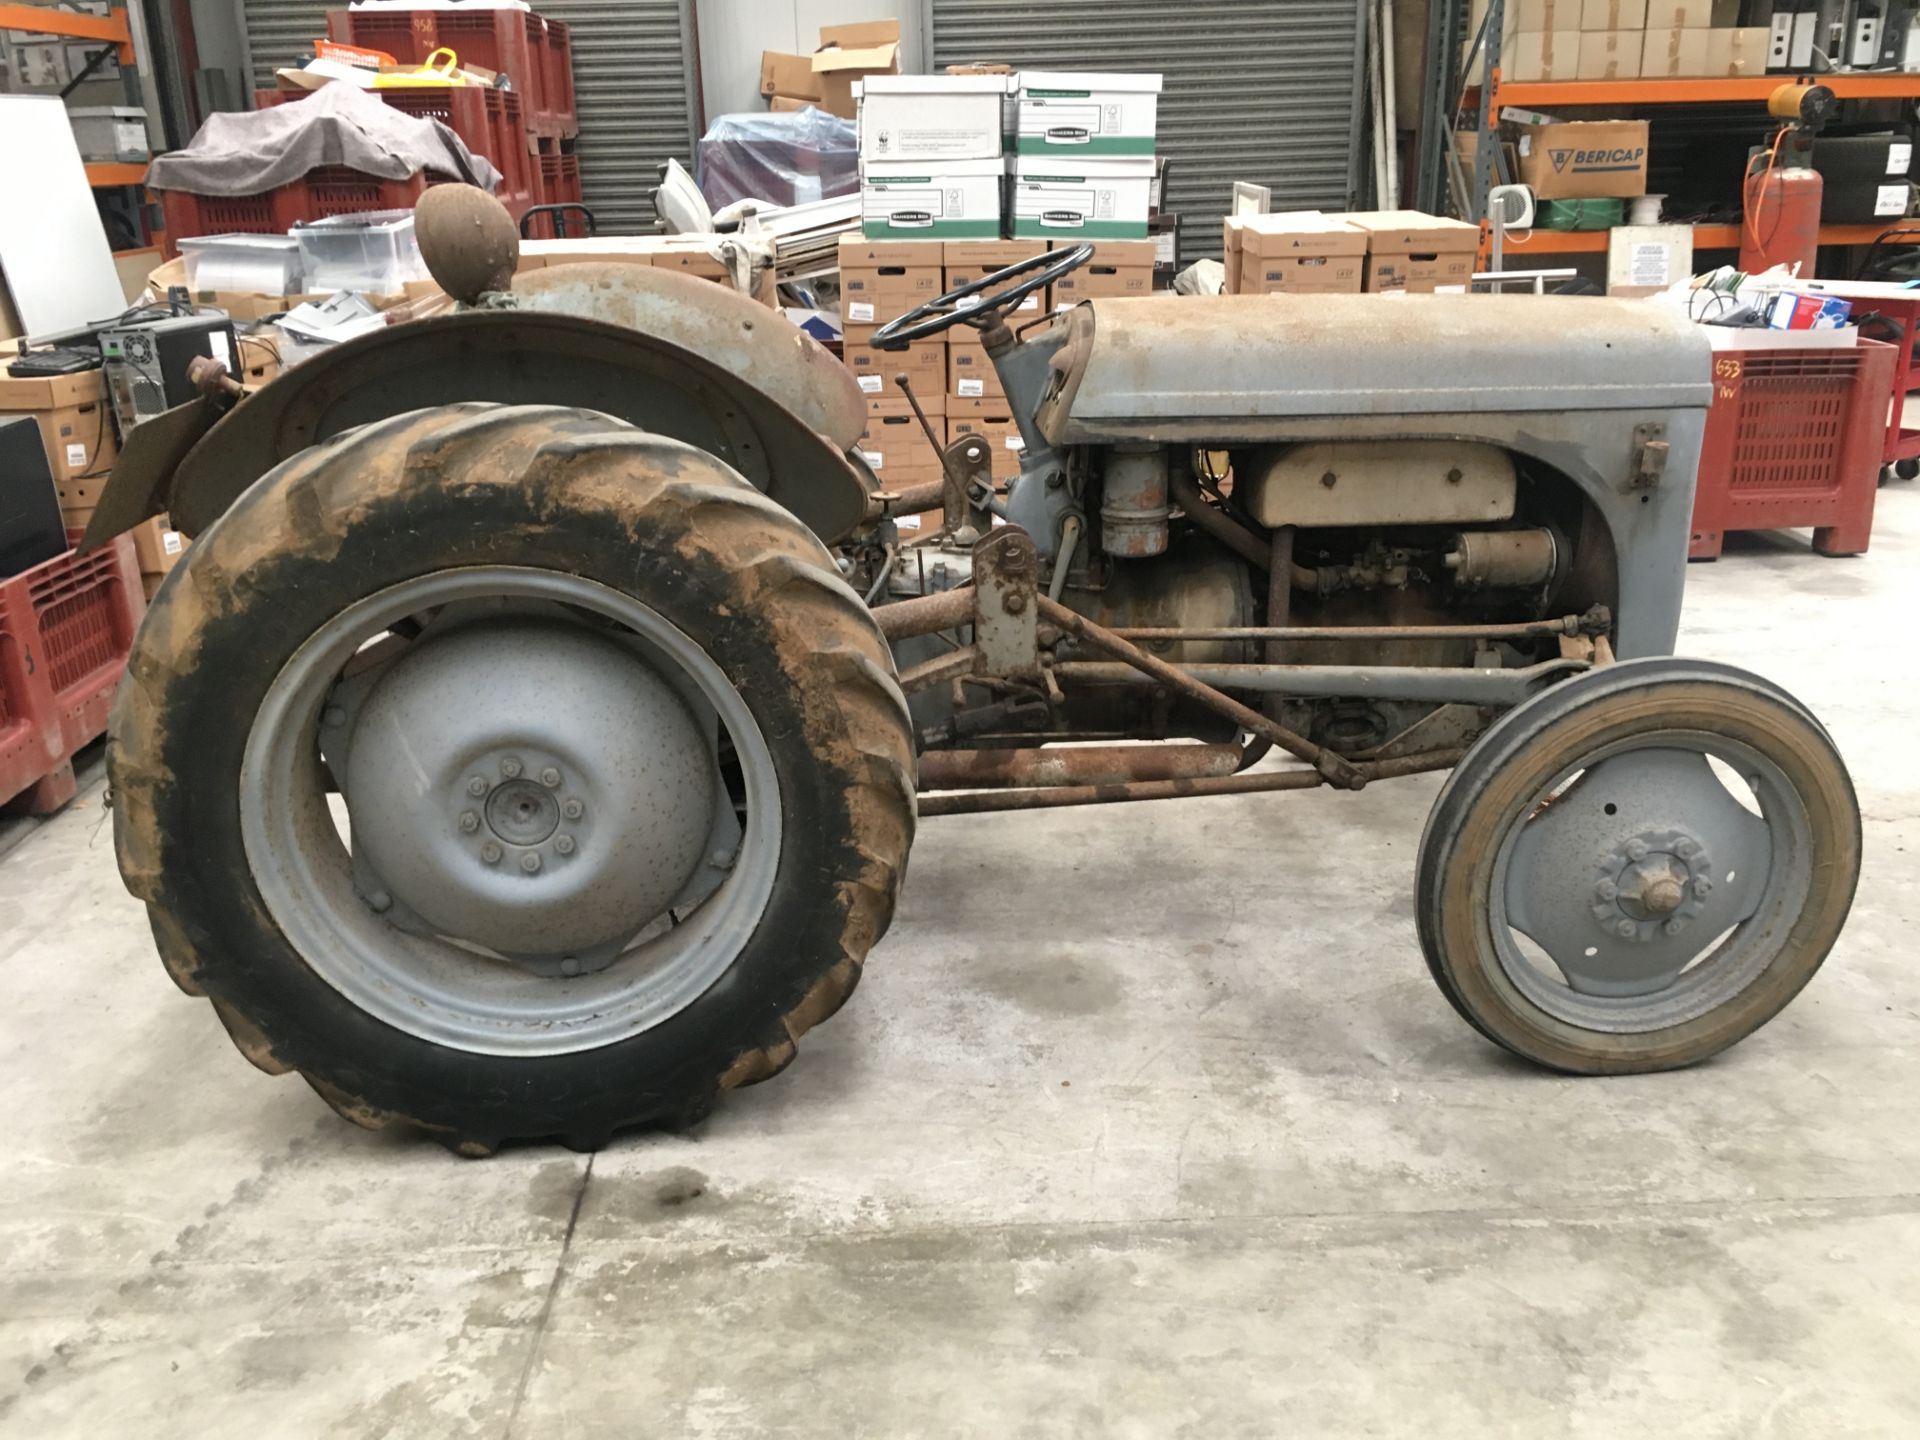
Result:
{"points": [[1210, 1157]]}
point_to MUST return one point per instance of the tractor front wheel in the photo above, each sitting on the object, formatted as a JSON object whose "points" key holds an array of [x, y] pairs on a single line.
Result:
{"points": [[513, 773]]}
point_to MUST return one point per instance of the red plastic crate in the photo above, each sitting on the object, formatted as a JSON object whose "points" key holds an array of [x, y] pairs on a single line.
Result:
{"points": [[1794, 439], [65, 629], [329, 190], [490, 123], [514, 43]]}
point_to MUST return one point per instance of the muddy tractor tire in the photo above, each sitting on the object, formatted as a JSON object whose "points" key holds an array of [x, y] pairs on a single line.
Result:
{"points": [[512, 773]]}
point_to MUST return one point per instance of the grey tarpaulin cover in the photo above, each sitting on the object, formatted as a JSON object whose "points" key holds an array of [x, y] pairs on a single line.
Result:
{"points": [[251, 151]]}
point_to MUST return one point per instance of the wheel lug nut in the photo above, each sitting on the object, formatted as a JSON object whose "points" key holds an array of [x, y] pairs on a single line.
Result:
{"points": [[564, 844], [379, 902], [1702, 886], [490, 853], [530, 864], [573, 809], [1684, 849], [1606, 890], [1674, 926], [1626, 929], [510, 768], [477, 786], [1636, 850], [569, 966], [469, 821], [550, 777]]}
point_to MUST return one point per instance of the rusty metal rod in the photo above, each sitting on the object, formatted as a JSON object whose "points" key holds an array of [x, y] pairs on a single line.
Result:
{"points": [[913, 500], [1073, 765], [938, 668], [1230, 532], [1523, 630], [924, 614], [1331, 765], [1432, 684], [1249, 784]]}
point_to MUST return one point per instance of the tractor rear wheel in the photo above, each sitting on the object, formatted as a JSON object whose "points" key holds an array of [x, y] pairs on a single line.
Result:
{"points": [[513, 773]]}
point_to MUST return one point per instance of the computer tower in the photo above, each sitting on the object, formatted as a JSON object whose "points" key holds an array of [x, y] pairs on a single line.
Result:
{"points": [[146, 363], [30, 528]]}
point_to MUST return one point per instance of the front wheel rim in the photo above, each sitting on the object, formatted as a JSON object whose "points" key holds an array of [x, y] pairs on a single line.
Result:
{"points": [[425, 984]]}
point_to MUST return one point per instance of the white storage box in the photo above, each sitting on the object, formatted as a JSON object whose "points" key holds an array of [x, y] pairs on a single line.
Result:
{"points": [[1061, 197], [110, 132], [1084, 112], [373, 253], [243, 264], [922, 200], [931, 117]]}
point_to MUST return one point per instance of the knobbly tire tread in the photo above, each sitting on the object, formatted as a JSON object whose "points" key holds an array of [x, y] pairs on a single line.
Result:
{"points": [[1460, 838], [543, 486]]}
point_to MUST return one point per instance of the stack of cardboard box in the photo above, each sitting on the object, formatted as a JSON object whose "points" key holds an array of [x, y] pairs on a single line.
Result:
{"points": [[76, 427], [1083, 162], [825, 79], [1377, 252], [931, 156], [1631, 39], [881, 280]]}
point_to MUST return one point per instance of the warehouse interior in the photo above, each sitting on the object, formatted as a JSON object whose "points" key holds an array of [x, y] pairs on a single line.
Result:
{"points": [[652, 655]]}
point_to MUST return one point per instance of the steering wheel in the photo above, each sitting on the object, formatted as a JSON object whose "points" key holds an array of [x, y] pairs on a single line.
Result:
{"points": [[944, 313]]}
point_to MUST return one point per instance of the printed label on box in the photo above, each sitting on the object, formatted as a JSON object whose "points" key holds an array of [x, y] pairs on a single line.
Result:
{"points": [[76, 455], [872, 384], [971, 389], [1890, 200], [860, 312], [873, 458], [172, 542], [1014, 442], [1449, 289], [1899, 157]]}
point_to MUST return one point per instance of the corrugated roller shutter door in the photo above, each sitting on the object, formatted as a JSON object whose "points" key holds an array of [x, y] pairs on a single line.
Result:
{"points": [[632, 60], [632, 63], [1256, 90], [279, 32]]}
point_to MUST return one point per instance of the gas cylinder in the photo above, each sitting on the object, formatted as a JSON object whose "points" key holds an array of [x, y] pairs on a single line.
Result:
{"points": [[1782, 225]]}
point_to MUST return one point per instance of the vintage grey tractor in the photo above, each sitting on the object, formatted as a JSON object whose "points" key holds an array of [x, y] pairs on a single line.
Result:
{"points": [[532, 741]]}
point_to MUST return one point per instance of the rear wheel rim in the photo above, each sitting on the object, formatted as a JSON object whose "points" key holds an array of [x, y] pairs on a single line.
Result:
{"points": [[352, 934]]}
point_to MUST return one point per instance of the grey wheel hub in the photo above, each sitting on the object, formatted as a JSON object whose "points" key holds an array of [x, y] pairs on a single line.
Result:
{"points": [[1625, 876], [544, 854], [467, 720]]}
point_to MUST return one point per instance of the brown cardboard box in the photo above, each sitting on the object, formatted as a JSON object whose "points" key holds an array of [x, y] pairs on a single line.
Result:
{"points": [[894, 446], [1613, 14], [158, 546], [992, 420], [1610, 55], [1583, 159], [849, 52], [1540, 55], [789, 77], [1118, 269], [1410, 253], [75, 426], [1532, 17], [924, 364], [970, 374], [1739, 51], [1299, 252], [1691, 14], [1231, 249], [882, 279], [1674, 53], [968, 260], [783, 104]]}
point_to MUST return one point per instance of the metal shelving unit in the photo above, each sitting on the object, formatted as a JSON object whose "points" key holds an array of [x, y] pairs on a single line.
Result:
{"points": [[1487, 102]]}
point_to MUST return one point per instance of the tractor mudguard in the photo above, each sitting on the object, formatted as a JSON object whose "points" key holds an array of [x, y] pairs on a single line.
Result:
{"points": [[783, 415]]}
